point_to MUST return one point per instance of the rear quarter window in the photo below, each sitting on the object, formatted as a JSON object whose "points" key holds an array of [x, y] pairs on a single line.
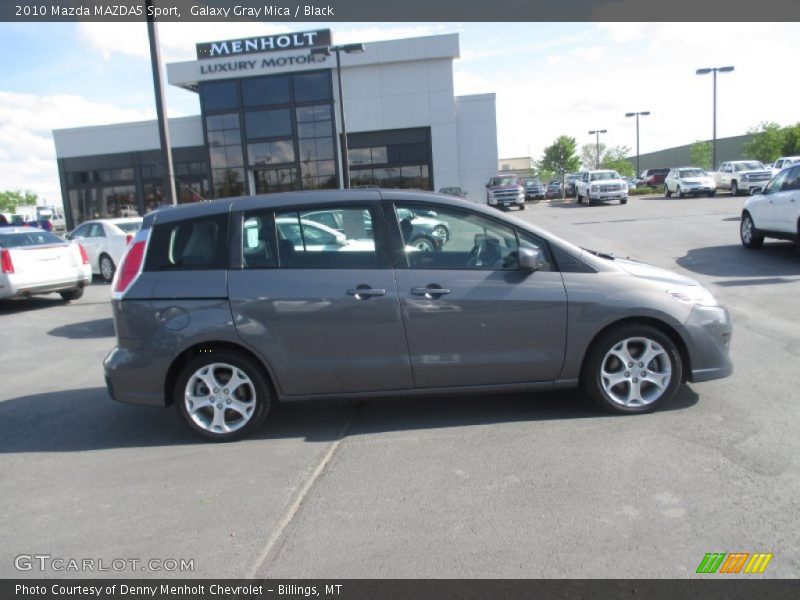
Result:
{"points": [[194, 244]]}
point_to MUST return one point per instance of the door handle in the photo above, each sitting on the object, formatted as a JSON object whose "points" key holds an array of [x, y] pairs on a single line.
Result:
{"points": [[429, 292], [364, 292]]}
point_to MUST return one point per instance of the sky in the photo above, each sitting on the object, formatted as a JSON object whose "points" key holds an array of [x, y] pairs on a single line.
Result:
{"points": [[550, 79]]}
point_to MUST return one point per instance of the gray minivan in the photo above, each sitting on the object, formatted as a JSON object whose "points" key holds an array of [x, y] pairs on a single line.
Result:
{"points": [[223, 307]]}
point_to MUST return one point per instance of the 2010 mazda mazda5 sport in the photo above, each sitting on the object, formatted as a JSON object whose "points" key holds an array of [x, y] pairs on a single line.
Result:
{"points": [[221, 308]]}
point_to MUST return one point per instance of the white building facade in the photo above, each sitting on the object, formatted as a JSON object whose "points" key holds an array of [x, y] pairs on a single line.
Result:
{"points": [[271, 122]]}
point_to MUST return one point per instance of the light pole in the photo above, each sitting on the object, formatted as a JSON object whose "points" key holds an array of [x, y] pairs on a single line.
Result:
{"points": [[597, 132], [644, 113], [706, 71], [326, 51]]}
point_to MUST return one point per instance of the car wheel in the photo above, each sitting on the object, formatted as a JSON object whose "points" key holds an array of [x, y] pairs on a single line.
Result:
{"points": [[734, 188], [578, 198], [522, 207], [679, 192], [623, 200], [632, 369], [222, 396], [71, 295], [712, 193], [751, 237], [107, 268], [667, 193], [424, 244], [440, 231]]}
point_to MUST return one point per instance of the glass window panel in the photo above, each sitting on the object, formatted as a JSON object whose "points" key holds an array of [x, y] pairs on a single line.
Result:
{"points": [[326, 167], [308, 150], [233, 156], [379, 155], [309, 87], [266, 153], [230, 121], [260, 91], [306, 130], [325, 148], [268, 123], [228, 182], [219, 95], [214, 122], [181, 169], [217, 156], [232, 137]]}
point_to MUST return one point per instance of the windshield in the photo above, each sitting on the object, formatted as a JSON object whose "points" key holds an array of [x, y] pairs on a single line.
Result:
{"points": [[692, 173], [503, 181], [32, 238], [748, 166], [605, 175], [132, 227]]}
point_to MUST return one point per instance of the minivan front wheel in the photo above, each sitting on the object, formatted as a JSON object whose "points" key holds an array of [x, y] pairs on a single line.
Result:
{"points": [[222, 395], [632, 369]]}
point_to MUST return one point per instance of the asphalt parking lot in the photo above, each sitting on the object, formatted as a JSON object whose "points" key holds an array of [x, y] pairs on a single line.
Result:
{"points": [[494, 486]]}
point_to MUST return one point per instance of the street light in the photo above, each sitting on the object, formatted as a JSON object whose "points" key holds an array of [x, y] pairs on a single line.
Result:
{"points": [[643, 113], [597, 145], [326, 51], [706, 71]]}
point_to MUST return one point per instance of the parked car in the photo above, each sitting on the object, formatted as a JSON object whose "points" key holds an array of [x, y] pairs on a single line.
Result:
{"points": [[783, 162], [453, 191], [600, 186], [34, 261], [689, 180], [553, 189], [534, 189], [773, 211], [570, 182], [737, 175], [504, 305], [105, 241], [654, 177], [505, 191]]}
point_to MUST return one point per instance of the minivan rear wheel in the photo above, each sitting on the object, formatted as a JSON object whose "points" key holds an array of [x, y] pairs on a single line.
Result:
{"points": [[222, 396], [632, 369]]}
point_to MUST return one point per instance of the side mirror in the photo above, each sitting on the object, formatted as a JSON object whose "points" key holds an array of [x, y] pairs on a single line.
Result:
{"points": [[756, 190], [530, 259]]}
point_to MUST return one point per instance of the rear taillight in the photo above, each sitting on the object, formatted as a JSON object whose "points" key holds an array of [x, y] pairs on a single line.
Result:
{"points": [[5, 262], [131, 265], [128, 239], [84, 256]]}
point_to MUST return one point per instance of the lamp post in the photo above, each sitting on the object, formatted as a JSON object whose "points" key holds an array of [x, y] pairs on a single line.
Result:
{"points": [[643, 113], [597, 132], [706, 71], [337, 50]]}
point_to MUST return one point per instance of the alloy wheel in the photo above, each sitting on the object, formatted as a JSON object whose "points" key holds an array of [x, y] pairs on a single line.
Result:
{"points": [[220, 398], [635, 372]]}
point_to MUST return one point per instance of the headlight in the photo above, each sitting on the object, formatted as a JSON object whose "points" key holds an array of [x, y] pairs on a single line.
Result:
{"points": [[745, 177], [694, 294]]}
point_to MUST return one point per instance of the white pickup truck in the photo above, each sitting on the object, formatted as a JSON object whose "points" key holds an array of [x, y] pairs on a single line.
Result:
{"points": [[738, 175], [599, 186]]}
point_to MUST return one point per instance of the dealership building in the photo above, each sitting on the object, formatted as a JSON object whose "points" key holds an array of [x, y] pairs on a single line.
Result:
{"points": [[270, 122]]}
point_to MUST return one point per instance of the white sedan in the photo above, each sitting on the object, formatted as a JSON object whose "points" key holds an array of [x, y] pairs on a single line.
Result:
{"points": [[689, 180], [34, 261], [773, 212], [106, 241]]}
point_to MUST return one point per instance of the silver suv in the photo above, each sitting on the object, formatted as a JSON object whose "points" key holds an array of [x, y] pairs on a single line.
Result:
{"points": [[222, 308]]}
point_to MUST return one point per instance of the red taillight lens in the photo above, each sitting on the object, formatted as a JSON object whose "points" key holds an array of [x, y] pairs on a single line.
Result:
{"points": [[84, 256], [5, 262], [129, 239], [130, 267]]}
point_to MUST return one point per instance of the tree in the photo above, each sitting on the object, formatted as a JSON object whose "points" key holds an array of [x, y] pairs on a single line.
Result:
{"points": [[700, 154], [767, 143], [9, 200], [560, 157], [791, 141], [615, 159], [589, 155]]}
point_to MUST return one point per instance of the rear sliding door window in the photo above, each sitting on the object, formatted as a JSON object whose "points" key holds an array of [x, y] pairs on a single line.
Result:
{"points": [[326, 238], [194, 244]]}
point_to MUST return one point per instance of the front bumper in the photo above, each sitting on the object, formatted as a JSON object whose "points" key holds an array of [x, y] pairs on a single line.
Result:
{"points": [[746, 184], [709, 331], [621, 195]]}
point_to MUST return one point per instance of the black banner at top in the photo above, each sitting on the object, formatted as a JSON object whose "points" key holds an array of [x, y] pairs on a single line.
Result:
{"points": [[287, 11]]}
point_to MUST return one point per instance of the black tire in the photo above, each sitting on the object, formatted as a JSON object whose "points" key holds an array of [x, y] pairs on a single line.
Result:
{"points": [[579, 198], [591, 378], [734, 188], [589, 200], [711, 194], [679, 192], [71, 295], [262, 397], [667, 193], [623, 201], [522, 207], [107, 273], [755, 239]]}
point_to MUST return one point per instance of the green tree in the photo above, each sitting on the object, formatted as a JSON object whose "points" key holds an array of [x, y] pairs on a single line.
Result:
{"points": [[791, 141], [767, 143], [9, 200], [700, 155], [589, 155], [560, 158], [615, 159]]}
